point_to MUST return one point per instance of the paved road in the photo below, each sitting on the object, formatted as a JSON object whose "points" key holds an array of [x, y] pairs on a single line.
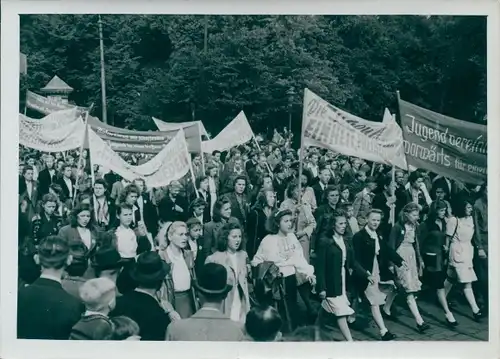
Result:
{"points": [[405, 328]]}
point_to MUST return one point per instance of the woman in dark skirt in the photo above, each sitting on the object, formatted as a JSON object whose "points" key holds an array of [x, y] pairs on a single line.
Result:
{"points": [[370, 249], [432, 247]]}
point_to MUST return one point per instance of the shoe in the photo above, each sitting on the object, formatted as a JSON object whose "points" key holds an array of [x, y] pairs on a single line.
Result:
{"points": [[388, 316], [478, 316], [422, 327], [388, 336], [451, 324]]}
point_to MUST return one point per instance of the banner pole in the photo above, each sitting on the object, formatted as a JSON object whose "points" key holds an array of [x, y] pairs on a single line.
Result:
{"points": [[258, 148], [392, 213], [81, 154], [201, 152], [301, 147], [25, 102]]}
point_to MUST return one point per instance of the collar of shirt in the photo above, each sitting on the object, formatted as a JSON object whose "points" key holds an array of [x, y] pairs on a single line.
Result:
{"points": [[91, 312], [51, 277]]}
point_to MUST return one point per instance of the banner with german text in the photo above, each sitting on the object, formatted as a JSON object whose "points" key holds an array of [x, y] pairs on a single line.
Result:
{"points": [[236, 133], [45, 105], [444, 145], [327, 126], [169, 126], [170, 164], [123, 140], [59, 131]]}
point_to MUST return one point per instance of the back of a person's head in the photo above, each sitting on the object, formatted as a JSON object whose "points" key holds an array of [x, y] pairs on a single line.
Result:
{"points": [[80, 262], [53, 252], [98, 293], [263, 323]]}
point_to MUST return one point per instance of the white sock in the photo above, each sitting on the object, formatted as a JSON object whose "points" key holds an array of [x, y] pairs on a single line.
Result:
{"points": [[388, 302], [412, 304]]}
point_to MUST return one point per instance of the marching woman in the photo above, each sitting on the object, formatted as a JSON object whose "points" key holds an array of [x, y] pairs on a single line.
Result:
{"points": [[283, 249], [404, 240], [179, 282], [231, 255], [334, 260], [257, 219], [460, 233], [433, 247], [81, 228], [369, 248], [304, 225]]}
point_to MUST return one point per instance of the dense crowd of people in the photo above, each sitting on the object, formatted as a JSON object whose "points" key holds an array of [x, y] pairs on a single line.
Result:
{"points": [[228, 256]]}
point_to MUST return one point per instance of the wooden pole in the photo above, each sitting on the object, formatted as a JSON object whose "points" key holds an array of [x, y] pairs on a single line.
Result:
{"points": [[392, 213], [85, 122], [301, 148], [103, 74], [267, 164]]}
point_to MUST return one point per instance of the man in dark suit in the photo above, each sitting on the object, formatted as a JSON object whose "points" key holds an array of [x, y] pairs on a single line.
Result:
{"points": [[44, 309], [208, 323], [279, 183], [46, 176], [28, 191], [319, 188], [66, 182], [141, 304]]}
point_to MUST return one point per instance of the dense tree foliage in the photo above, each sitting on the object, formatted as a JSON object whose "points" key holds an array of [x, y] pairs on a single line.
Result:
{"points": [[158, 66]]}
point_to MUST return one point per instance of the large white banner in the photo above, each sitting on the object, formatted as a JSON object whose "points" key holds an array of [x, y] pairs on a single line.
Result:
{"points": [[167, 126], [59, 131], [236, 133], [329, 127], [172, 163], [45, 105]]}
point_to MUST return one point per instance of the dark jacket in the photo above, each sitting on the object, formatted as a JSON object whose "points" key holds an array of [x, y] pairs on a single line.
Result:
{"points": [[328, 266], [256, 231], [167, 212], [432, 240], [364, 253], [92, 327], [279, 188], [319, 193], [237, 211], [43, 227], [44, 181], [150, 215], [397, 235], [146, 312], [65, 189], [46, 311]]}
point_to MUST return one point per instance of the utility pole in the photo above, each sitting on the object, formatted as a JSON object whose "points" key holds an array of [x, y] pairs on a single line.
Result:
{"points": [[205, 38], [103, 74]]}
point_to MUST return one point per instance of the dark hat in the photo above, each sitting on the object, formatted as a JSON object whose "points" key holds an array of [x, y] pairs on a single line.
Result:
{"points": [[79, 252], [213, 280], [107, 258], [149, 268]]}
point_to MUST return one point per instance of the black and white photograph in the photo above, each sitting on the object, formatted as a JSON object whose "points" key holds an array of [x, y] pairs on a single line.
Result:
{"points": [[253, 176]]}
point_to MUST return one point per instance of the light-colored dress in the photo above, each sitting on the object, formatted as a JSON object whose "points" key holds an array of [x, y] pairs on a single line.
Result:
{"points": [[340, 305], [461, 249], [407, 277]]}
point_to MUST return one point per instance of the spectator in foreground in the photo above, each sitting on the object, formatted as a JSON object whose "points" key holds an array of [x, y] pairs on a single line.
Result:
{"points": [[209, 323], [44, 309], [99, 297], [124, 328], [263, 324]]}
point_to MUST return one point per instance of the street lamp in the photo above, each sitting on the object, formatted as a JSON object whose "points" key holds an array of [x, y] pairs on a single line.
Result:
{"points": [[291, 94]]}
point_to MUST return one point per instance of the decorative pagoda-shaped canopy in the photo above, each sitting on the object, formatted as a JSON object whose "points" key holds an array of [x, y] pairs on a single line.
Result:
{"points": [[57, 86]]}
